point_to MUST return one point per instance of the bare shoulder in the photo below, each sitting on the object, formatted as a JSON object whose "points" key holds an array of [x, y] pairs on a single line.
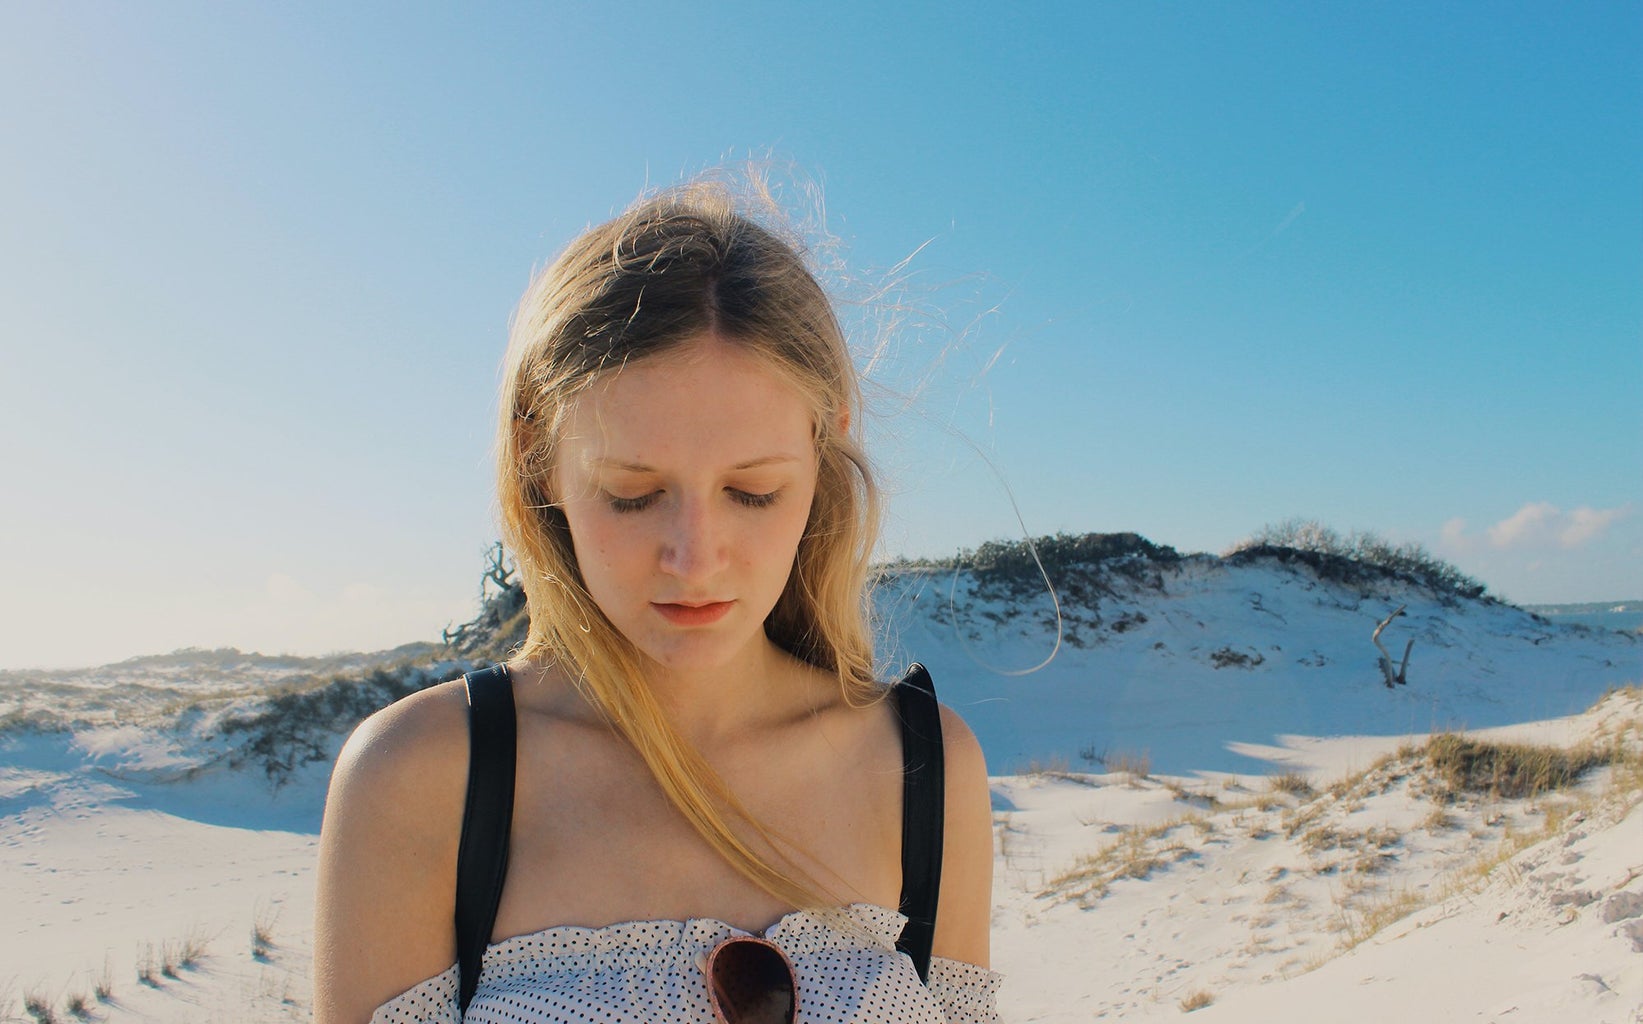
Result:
{"points": [[402, 768], [965, 762], [405, 746], [964, 913], [387, 864]]}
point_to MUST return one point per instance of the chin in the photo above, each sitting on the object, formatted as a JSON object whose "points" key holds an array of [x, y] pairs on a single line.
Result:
{"points": [[699, 653], [694, 659]]}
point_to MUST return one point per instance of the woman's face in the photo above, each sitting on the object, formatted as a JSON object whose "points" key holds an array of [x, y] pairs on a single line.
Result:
{"points": [[687, 480]]}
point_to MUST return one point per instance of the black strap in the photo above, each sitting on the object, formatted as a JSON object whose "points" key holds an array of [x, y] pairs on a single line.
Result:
{"points": [[487, 820], [924, 778]]}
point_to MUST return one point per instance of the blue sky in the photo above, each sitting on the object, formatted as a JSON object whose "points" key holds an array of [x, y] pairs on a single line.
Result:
{"points": [[1183, 269]]}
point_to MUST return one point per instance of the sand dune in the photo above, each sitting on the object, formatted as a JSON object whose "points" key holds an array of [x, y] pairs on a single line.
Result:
{"points": [[1119, 895], [1207, 802]]}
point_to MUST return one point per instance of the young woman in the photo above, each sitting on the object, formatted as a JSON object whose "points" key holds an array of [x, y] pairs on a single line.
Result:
{"points": [[704, 752]]}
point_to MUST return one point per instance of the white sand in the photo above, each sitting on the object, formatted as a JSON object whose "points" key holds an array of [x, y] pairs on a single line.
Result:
{"points": [[1256, 907], [1252, 906], [125, 835], [97, 880]]}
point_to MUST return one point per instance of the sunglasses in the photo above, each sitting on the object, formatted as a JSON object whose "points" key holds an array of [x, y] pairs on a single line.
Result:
{"points": [[751, 981]]}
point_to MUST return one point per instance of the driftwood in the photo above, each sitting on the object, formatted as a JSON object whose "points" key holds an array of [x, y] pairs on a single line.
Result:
{"points": [[496, 569], [498, 574], [1393, 678]]}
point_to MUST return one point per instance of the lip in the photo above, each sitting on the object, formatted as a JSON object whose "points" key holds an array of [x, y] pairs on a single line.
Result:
{"points": [[693, 614]]}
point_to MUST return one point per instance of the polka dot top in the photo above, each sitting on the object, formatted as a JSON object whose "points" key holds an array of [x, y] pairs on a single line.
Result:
{"points": [[848, 971]]}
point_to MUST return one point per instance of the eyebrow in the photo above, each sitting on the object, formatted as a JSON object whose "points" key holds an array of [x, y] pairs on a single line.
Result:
{"points": [[640, 467]]}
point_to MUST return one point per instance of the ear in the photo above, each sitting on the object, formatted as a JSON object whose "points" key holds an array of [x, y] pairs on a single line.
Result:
{"points": [[844, 419]]}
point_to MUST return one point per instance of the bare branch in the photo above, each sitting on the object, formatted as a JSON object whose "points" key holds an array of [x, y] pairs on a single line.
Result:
{"points": [[1398, 678]]}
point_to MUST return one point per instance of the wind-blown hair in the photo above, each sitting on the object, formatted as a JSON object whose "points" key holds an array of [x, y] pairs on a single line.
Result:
{"points": [[677, 264]]}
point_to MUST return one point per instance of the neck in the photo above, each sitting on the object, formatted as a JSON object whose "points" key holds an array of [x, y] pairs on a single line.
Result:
{"points": [[716, 706]]}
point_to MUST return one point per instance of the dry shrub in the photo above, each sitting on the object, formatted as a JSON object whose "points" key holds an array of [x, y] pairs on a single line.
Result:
{"points": [[147, 968], [103, 986], [1131, 855], [191, 950], [1055, 766], [1365, 925], [37, 1005], [1439, 820], [1136, 766], [1357, 558], [1293, 783], [168, 959], [1507, 771], [262, 932]]}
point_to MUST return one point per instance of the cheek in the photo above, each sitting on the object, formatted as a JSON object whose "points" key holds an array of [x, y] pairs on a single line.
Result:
{"points": [[599, 546], [794, 522]]}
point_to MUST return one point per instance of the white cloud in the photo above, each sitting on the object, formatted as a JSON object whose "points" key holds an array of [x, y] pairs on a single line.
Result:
{"points": [[1454, 534], [1544, 553], [1585, 524], [1528, 525], [1542, 524]]}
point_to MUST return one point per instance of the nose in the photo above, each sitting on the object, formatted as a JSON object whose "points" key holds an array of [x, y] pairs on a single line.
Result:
{"points": [[694, 547]]}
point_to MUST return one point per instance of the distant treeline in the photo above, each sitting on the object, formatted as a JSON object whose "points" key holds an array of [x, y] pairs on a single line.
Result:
{"points": [[1055, 553], [1345, 557], [1354, 558]]}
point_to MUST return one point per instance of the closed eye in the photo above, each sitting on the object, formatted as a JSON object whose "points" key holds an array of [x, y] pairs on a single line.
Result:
{"points": [[752, 500], [749, 499], [638, 504]]}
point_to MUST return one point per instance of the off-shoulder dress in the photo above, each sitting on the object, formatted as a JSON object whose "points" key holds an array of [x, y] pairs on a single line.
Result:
{"points": [[848, 971]]}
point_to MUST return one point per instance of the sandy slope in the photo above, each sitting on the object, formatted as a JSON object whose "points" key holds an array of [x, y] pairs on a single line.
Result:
{"points": [[1188, 663], [126, 835], [1557, 935], [1255, 908], [1249, 895], [100, 875]]}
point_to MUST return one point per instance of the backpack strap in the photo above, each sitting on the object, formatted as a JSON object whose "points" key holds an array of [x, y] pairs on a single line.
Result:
{"points": [[487, 820], [924, 778]]}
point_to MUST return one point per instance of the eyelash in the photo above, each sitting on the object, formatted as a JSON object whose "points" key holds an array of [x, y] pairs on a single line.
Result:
{"points": [[756, 500], [644, 501]]}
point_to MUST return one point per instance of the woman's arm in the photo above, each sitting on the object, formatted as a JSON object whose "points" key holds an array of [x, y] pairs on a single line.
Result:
{"points": [[964, 910], [387, 861]]}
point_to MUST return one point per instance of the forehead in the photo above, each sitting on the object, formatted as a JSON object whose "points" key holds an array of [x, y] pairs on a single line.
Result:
{"points": [[706, 401]]}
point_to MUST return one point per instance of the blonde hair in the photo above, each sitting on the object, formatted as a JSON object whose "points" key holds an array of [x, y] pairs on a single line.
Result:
{"points": [[679, 263]]}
